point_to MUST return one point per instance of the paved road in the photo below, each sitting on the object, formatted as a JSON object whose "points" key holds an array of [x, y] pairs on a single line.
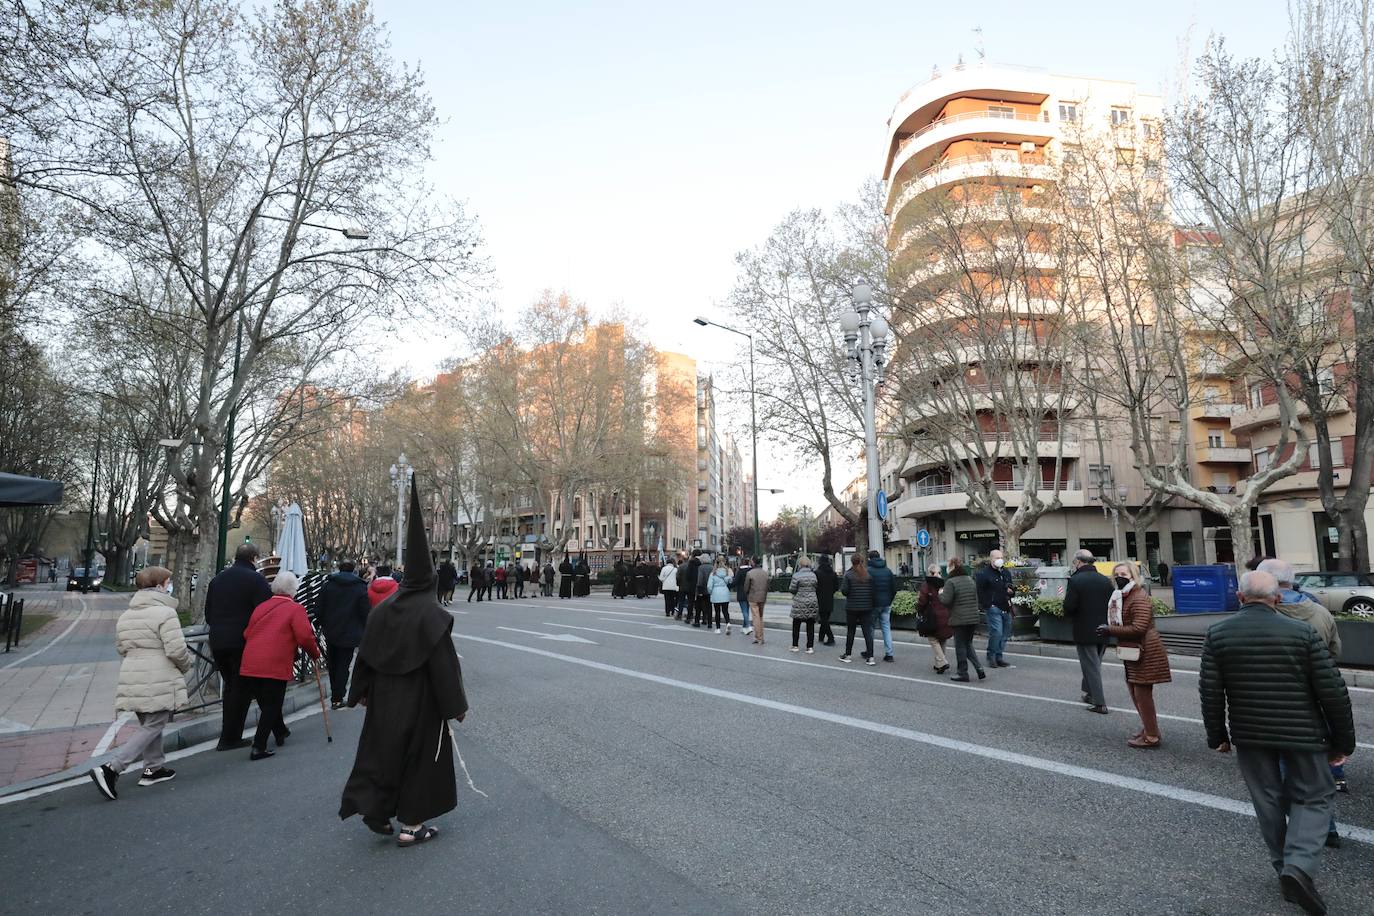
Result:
{"points": [[638, 766]]}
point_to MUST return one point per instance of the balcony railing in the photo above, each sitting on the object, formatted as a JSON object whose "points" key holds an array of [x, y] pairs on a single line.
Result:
{"points": [[915, 185], [1042, 118], [1004, 486]]}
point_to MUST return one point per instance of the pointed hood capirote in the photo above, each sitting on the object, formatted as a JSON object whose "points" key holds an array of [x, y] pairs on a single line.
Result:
{"points": [[403, 629]]}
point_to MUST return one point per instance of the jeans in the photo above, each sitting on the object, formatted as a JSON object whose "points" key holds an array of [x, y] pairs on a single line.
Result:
{"points": [[883, 617], [866, 623], [999, 631], [964, 652], [744, 614]]}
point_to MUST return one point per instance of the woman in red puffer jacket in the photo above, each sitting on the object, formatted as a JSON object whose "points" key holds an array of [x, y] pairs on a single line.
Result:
{"points": [[277, 628]]}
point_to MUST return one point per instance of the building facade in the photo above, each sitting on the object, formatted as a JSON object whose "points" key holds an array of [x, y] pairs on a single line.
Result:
{"points": [[995, 142]]}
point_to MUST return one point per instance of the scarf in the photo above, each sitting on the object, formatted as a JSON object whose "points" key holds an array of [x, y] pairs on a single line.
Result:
{"points": [[1115, 603]]}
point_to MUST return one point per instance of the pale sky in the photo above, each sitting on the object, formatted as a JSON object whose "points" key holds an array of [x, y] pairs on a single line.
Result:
{"points": [[626, 151]]}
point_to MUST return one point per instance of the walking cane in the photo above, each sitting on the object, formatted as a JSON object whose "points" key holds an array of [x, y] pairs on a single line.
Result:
{"points": [[324, 712]]}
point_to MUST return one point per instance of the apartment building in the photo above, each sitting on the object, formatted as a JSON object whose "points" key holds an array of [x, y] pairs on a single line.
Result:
{"points": [[996, 140]]}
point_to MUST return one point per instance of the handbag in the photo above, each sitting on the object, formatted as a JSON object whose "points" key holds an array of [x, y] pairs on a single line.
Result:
{"points": [[1128, 653]]}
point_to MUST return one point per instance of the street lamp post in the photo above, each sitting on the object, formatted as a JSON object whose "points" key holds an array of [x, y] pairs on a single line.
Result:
{"points": [[865, 334], [401, 473], [753, 422]]}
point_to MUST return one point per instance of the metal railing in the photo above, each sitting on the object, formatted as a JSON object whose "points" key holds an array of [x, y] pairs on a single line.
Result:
{"points": [[1042, 118], [11, 619], [1005, 486]]}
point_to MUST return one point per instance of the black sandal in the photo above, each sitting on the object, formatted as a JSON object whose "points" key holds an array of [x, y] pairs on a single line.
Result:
{"points": [[382, 827], [422, 834]]}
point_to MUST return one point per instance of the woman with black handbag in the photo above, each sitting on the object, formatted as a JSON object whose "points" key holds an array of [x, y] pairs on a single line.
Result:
{"points": [[934, 620]]}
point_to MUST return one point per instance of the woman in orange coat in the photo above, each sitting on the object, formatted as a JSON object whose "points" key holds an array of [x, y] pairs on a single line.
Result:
{"points": [[1131, 619], [277, 628]]}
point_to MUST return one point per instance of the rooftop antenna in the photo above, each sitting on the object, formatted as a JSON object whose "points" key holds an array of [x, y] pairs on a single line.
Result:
{"points": [[978, 44]]}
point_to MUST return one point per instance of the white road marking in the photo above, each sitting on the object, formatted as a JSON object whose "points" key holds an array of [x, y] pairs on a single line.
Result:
{"points": [[85, 608], [1056, 767], [107, 739], [896, 677], [642, 623], [8, 726], [557, 637]]}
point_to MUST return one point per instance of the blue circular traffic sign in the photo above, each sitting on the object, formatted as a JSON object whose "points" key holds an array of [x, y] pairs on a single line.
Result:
{"points": [[882, 504], [923, 539]]}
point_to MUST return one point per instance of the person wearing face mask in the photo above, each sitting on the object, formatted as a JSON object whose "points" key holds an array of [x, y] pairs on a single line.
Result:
{"points": [[1131, 619], [152, 680], [1085, 605], [994, 600]]}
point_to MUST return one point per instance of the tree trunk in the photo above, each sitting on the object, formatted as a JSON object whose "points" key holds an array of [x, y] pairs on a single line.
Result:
{"points": [[1242, 542], [861, 532], [1011, 542]]}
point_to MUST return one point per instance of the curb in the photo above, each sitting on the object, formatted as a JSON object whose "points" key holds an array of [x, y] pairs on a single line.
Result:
{"points": [[193, 731]]}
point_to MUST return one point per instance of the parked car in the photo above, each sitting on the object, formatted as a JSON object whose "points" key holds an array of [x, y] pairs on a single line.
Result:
{"points": [[78, 573], [1341, 592]]}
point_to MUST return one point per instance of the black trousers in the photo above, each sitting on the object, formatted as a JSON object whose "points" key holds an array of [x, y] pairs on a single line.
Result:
{"points": [[269, 694], [703, 611], [810, 631], [963, 649], [340, 660], [722, 613], [669, 603], [866, 622], [234, 694], [826, 634], [519, 588]]}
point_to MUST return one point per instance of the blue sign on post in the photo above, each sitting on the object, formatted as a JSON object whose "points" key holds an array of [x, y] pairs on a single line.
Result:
{"points": [[923, 539], [882, 504]]}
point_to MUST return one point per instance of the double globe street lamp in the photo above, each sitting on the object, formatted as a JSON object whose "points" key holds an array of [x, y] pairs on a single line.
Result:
{"points": [[865, 335]]}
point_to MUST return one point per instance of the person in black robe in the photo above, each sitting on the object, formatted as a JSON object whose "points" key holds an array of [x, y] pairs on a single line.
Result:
{"points": [[618, 578], [408, 678], [565, 578], [582, 578], [548, 579]]}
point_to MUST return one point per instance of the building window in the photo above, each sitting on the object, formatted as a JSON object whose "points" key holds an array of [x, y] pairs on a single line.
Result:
{"points": [[1001, 111], [1073, 155], [1120, 116], [1337, 455], [1261, 460], [1068, 111], [1100, 478], [1256, 397], [577, 507], [1148, 130], [1326, 381], [1125, 157], [1214, 440]]}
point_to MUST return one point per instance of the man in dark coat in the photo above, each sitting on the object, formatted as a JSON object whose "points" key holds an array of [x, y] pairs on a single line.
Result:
{"points": [[618, 578], [448, 580], [1085, 604], [582, 578], [827, 583], [547, 590], [343, 613], [409, 680], [477, 580], [994, 600], [229, 601], [565, 578], [1269, 687]]}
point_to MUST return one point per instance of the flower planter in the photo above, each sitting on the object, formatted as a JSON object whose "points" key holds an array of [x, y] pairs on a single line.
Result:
{"points": [[1357, 643], [1056, 629]]}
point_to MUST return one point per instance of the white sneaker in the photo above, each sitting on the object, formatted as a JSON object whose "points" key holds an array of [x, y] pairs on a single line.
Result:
{"points": [[810, 651], [870, 662], [794, 649], [748, 630], [717, 631]]}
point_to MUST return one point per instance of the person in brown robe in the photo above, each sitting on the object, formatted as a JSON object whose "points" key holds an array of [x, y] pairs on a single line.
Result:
{"points": [[408, 678]]}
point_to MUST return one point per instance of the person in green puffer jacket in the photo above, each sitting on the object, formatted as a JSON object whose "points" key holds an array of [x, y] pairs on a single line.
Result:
{"points": [[960, 595], [1269, 686]]}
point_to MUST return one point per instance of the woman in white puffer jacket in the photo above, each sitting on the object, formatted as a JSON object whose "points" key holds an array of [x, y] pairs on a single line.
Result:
{"points": [[152, 679]]}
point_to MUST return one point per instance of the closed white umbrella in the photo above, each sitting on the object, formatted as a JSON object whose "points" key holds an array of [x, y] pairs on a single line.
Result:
{"points": [[291, 543]]}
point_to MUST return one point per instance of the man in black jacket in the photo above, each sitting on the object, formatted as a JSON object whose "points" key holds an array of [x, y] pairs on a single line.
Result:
{"points": [[343, 617], [1085, 604], [994, 600], [1289, 717], [229, 601]]}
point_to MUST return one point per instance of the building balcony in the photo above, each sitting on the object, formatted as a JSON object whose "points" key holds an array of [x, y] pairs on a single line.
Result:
{"points": [[1207, 453], [1214, 410], [916, 151], [1047, 448], [965, 169], [1255, 418], [928, 499], [1004, 259]]}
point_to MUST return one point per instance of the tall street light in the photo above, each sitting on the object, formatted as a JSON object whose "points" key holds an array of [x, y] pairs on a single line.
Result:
{"points": [[865, 334], [351, 233], [753, 422], [401, 473]]}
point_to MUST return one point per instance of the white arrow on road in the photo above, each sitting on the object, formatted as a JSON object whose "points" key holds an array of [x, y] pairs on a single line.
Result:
{"points": [[557, 637]]}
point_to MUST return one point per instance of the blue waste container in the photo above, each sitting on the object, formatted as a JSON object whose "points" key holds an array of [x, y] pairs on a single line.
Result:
{"points": [[1205, 589]]}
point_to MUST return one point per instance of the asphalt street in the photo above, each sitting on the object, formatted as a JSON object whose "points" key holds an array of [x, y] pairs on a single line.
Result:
{"points": [[635, 765]]}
